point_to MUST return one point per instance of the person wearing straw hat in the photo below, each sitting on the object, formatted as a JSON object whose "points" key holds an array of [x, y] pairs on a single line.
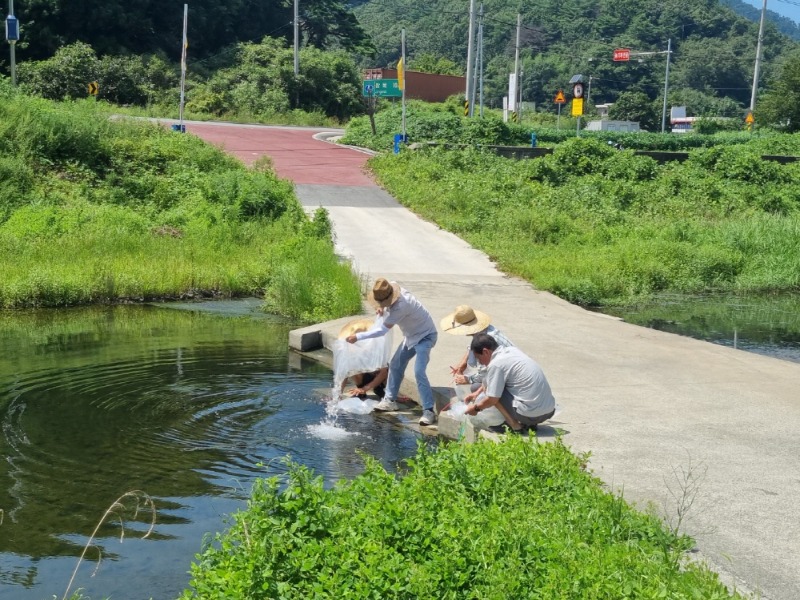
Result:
{"points": [[370, 381], [515, 384], [465, 320], [399, 307]]}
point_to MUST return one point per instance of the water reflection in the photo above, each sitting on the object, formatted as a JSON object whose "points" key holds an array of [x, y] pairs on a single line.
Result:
{"points": [[768, 325], [184, 405]]}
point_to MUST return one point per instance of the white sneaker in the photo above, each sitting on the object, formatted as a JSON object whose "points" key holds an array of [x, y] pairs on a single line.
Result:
{"points": [[387, 405], [428, 417]]}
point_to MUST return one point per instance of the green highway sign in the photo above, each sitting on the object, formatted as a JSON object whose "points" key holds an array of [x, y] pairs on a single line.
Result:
{"points": [[382, 88]]}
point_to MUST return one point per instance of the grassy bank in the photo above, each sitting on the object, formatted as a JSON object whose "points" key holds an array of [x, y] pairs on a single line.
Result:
{"points": [[598, 226], [100, 210], [511, 520]]}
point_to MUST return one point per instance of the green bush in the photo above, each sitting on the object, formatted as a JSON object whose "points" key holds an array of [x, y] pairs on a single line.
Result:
{"points": [[599, 226], [516, 519], [95, 209]]}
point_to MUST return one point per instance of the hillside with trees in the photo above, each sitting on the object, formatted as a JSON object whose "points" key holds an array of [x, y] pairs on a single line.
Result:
{"points": [[712, 60]]}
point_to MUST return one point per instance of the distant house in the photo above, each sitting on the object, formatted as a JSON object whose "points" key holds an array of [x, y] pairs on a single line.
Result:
{"points": [[427, 86]]}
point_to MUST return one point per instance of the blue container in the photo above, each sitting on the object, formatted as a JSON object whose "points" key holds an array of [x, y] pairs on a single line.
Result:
{"points": [[399, 138], [180, 128], [533, 139], [12, 29]]}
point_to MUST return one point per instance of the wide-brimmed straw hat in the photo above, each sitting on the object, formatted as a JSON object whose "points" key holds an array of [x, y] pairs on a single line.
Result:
{"points": [[384, 293], [465, 320], [355, 326]]}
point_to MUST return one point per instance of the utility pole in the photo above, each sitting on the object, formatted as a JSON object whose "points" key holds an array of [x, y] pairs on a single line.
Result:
{"points": [[480, 50], [758, 57], [666, 87], [477, 68], [516, 68], [296, 37], [403, 90], [470, 50], [12, 37]]}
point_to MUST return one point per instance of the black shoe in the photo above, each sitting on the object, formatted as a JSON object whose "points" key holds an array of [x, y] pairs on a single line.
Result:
{"points": [[503, 428]]}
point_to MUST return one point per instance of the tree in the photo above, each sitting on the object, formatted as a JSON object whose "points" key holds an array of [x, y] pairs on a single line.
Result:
{"points": [[427, 62], [635, 106], [780, 106]]}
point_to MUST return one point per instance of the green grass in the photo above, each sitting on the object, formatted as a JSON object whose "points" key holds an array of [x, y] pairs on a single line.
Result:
{"points": [[599, 227], [488, 520], [95, 209]]}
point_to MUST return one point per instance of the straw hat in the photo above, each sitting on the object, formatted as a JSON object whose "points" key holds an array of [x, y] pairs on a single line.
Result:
{"points": [[355, 326], [384, 293], [465, 321]]}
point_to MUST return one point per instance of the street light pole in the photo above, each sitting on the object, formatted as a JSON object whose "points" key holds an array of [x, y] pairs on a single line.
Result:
{"points": [[666, 87], [12, 48], [296, 24], [758, 57], [470, 50]]}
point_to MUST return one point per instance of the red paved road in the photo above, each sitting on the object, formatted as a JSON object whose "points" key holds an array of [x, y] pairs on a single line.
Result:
{"points": [[295, 154]]}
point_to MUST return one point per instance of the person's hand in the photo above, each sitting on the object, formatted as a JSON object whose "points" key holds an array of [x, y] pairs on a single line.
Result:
{"points": [[471, 409], [352, 339], [460, 379], [470, 397], [357, 391], [379, 311]]}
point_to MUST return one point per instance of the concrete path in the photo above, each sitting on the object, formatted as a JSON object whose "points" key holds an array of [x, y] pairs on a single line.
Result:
{"points": [[652, 408]]}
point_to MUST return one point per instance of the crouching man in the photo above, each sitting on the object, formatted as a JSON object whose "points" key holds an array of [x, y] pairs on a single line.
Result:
{"points": [[514, 383]]}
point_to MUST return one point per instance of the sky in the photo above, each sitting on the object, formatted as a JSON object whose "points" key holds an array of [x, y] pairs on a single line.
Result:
{"points": [[782, 8]]}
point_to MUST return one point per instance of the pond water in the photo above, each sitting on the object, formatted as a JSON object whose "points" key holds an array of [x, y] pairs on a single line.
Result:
{"points": [[768, 325], [188, 406]]}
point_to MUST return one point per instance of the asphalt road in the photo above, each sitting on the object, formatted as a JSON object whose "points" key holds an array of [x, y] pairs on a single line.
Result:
{"points": [[658, 412]]}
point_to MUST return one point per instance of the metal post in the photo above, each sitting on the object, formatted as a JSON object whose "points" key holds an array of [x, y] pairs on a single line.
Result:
{"points": [[184, 47], [480, 64], [589, 90], [516, 67], [470, 50], [666, 88], [296, 37], [403, 58], [758, 57], [13, 49], [475, 72]]}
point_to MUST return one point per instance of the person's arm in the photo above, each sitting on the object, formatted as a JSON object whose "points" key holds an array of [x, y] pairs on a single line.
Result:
{"points": [[480, 404], [379, 379], [377, 331]]}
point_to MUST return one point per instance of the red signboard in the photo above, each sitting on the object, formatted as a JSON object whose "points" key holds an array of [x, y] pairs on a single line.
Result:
{"points": [[622, 54]]}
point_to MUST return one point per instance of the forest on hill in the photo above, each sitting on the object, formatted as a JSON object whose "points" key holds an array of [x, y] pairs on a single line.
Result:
{"points": [[240, 53], [713, 48], [784, 24]]}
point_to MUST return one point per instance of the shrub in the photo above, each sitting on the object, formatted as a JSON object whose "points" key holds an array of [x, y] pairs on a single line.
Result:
{"points": [[516, 519]]}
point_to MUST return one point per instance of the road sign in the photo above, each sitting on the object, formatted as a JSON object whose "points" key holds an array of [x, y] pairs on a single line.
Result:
{"points": [[749, 119], [93, 88], [560, 99], [622, 54], [466, 108], [577, 107], [577, 90], [381, 88], [373, 73]]}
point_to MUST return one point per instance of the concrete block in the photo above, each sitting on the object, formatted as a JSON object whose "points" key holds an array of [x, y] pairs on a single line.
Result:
{"points": [[456, 429], [305, 339]]}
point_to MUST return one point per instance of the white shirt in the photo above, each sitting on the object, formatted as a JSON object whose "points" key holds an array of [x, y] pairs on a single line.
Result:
{"points": [[411, 317]]}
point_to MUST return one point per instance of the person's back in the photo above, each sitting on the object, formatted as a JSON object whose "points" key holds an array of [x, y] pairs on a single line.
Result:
{"points": [[413, 319], [515, 371]]}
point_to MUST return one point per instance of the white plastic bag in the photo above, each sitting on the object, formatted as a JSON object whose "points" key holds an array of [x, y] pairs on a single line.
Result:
{"points": [[365, 356]]}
